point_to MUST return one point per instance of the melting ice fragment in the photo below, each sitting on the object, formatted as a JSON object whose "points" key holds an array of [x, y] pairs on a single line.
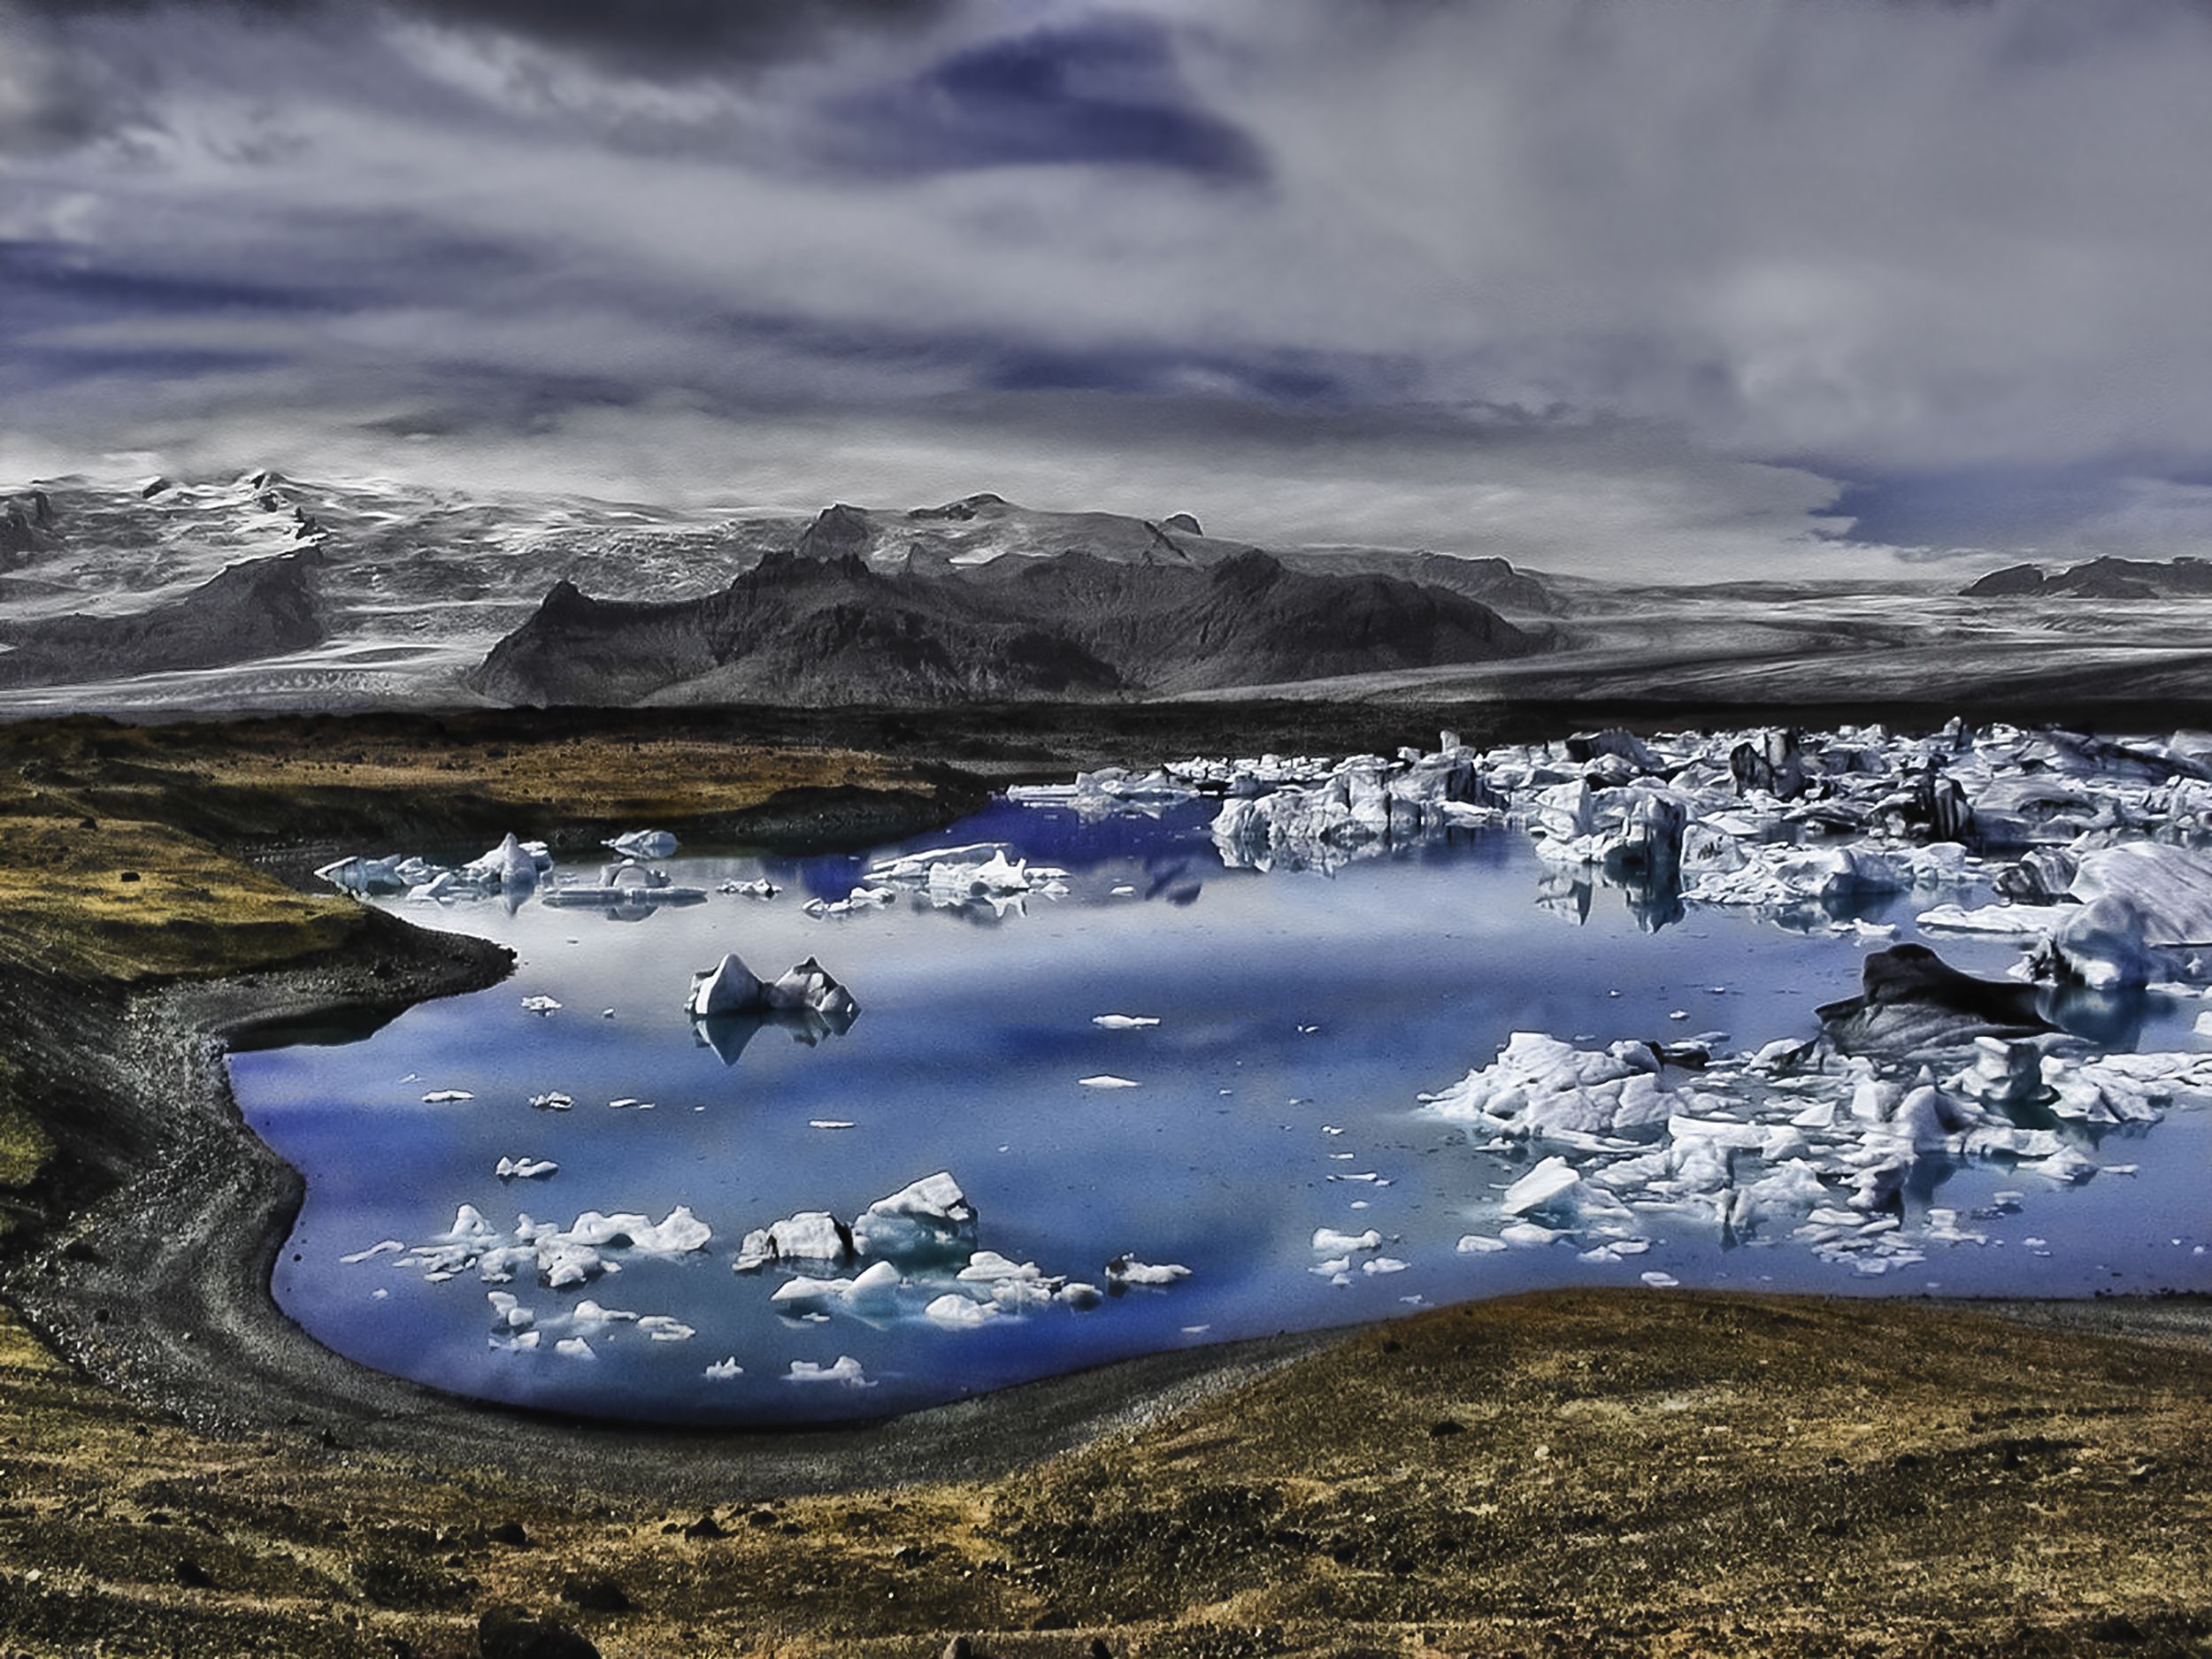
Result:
{"points": [[643, 844], [845, 1372]]}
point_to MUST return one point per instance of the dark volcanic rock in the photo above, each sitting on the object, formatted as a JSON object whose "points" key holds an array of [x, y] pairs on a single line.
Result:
{"points": [[837, 533], [798, 630], [2013, 582], [2102, 578], [793, 630], [260, 608], [24, 525], [1490, 581], [1251, 621]]}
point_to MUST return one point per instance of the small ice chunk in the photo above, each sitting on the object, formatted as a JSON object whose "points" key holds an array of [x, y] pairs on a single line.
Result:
{"points": [[724, 1370], [845, 1371], [1329, 1242], [1132, 1272], [1658, 1280], [1527, 1233], [525, 1169], [1382, 1265], [553, 1100], [1548, 1186], [573, 1348], [1481, 1244], [383, 1247], [643, 844], [539, 1005], [445, 1096], [958, 1312], [1106, 1079], [1124, 1022]]}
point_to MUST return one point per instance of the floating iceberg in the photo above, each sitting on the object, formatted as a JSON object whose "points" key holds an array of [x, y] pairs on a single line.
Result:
{"points": [[643, 844]]}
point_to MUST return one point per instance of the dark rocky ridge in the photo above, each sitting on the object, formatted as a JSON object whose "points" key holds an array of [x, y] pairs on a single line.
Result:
{"points": [[260, 608], [25, 526], [2100, 579], [818, 630], [1494, 582]]}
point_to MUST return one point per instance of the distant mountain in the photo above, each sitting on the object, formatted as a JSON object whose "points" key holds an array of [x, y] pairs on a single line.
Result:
{"points": [[259, 608], [792, 629], [2100, 579], [981, 530], [810, 628], [411, 587], [1494, 582], [990, 534]]}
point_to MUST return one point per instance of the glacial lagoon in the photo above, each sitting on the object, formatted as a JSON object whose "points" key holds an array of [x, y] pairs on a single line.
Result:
{"points": [[1302, 1015]]}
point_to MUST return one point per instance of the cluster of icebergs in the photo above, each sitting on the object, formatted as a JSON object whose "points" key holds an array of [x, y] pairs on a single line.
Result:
{"points": [[2094, 849], [1765, 1149], [2092, 843], [513, 868], [921, 1254], [513, 871], [914, 1252], [984, 874]]}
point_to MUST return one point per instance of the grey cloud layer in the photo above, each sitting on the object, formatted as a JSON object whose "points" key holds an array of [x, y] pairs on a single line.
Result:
{"points": [[1599, 283]]}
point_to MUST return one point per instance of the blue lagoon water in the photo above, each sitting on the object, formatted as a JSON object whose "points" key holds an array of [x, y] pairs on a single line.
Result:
{"points": [[1299, 1017]]}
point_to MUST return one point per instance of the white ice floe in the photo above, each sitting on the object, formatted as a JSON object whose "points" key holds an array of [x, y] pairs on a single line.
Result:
{"points": [[446, 1096], [574, 1347], [525, 1169], [959, 1312], [929, 1216], [724, 1370], [643, 844], [844, 1372], [541, 1005], [552, 1100], [812, 1235], [1124, 1022], [1132, 1272], [386, 1247], [1330, 1241], [1107, 1079]]}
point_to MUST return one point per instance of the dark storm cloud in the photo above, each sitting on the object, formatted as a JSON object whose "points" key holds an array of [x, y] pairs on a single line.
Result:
{"points": [[1104, 94], [678, 38]]}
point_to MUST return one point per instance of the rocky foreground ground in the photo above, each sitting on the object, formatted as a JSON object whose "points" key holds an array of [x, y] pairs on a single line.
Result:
{"points": [[1573, 1474], [1569, 1474]]}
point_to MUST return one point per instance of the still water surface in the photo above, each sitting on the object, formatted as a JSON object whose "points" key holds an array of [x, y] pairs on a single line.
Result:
{"points": [[1300, 1017]]}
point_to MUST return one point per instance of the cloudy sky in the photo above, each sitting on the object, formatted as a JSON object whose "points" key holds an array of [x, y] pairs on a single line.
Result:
{"points": [[1669, 286]]}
